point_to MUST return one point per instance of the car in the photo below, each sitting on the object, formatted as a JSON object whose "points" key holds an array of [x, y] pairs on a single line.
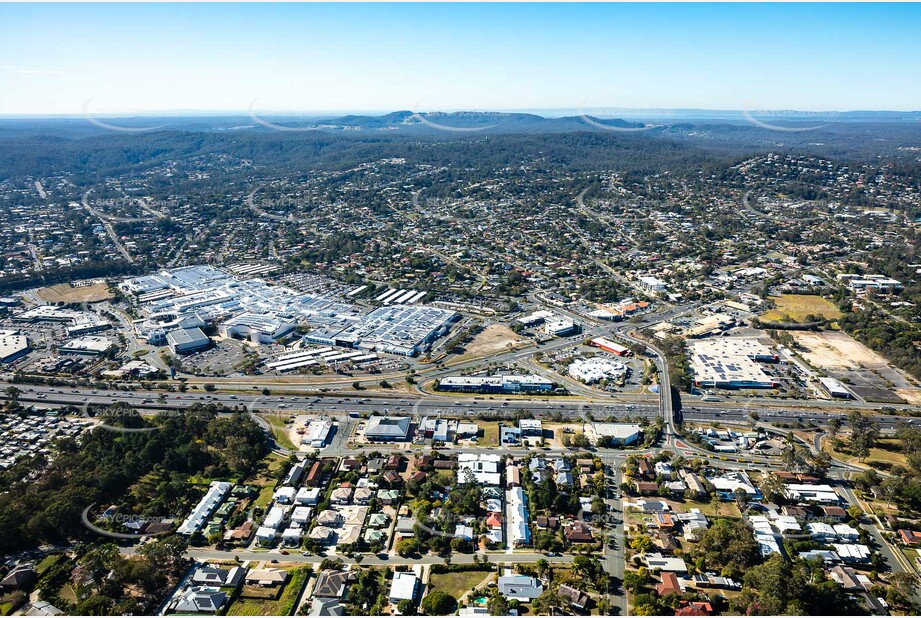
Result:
{"points": [[274, 561]]}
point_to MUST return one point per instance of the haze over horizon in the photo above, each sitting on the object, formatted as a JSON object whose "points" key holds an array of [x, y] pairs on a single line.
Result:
{"points": [[116, 59]]}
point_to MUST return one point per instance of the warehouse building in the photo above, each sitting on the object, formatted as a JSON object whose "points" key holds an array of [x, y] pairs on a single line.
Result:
{"points": [[620, 434], [834, 388], [13, 346], [731, 362], [388, 429]]}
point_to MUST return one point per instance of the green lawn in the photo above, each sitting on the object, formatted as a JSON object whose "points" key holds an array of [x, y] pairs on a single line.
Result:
{"points": [[490, 434], [47, 562], [284, 606], [457, 584], [726, 509], [280, 430]]}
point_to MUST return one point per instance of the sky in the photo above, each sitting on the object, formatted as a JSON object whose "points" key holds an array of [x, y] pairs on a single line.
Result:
{"points": [[106, 59]]}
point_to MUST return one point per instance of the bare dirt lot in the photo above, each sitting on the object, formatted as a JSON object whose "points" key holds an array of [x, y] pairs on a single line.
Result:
{"points": [[848, 360], [65, 293], [837, 350], [494, 339]]}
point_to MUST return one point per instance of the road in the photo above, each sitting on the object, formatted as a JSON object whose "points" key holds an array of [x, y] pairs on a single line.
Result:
{"points": [[107, 226]]}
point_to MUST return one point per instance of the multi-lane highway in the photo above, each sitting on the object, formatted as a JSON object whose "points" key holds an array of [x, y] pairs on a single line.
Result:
{"points": [[341, 404]]}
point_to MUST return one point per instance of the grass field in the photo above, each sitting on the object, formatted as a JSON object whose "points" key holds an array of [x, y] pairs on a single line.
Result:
{"points": [[458, 584], [885, 452], [725, 509], [284, 606], [490, 434], [64, 293], [795, 308], [280, 429], [265, 481]]}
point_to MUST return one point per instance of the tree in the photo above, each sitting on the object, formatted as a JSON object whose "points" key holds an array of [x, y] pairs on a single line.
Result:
{"points": [[406, 547], [864, 433], [12, 404], [902, 589], [548, 603], [834, 426], [855, 512], [497, 605], [773, 488], [634, 580], [405, 607], [728, 545], [741, 497], [641, 544], [438, 603]]}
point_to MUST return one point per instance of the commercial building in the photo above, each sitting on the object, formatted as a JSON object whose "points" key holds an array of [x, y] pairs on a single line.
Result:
{"points": [[87, 346], [652, 285], [13, 346], [535, 319], [258, 328], [495, 384], [620, 434], [559, 326], [388, 429], [611, 346], [187, 340], [256, 310], [878, 283], [316, 434], [153, 329], [594, 370], [402, 330], [807, 492], [530, 427], [834, 388], [731, 362]]}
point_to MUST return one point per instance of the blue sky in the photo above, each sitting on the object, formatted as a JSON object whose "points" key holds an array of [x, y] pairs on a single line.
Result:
{"points": [[119, 58]]}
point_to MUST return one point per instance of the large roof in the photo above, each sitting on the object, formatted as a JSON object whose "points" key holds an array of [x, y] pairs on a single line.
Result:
{"points": [[387, 427]]}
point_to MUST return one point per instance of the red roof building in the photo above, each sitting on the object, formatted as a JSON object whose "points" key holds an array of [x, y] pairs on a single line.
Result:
{"points": [[669, 584]]}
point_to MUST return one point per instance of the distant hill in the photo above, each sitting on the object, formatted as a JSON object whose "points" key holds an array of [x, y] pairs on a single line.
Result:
{"points": [[460, 122]]}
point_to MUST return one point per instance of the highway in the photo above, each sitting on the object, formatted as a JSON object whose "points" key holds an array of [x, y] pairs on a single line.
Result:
{"points": [[485, 406]]}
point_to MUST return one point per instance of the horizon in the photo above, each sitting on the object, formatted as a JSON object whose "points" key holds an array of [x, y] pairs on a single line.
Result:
{"points": [[548, 113], [123, 60]]}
